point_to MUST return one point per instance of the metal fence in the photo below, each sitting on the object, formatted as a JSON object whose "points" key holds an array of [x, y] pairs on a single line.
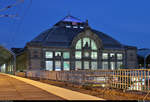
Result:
{"points": [[127, 79]]}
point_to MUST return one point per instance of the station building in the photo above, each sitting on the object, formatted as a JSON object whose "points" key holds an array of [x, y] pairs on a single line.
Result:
{"points": [[71, 44]]}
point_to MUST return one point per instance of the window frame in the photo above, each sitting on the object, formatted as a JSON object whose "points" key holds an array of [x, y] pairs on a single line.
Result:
{"points": [[48, 52]]}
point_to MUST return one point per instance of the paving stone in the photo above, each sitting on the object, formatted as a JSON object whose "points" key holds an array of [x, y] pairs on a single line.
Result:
{"points": [[13, 89]]}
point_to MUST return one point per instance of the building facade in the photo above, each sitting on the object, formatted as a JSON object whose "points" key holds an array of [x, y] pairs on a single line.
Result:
{"points": [[72, 44]]}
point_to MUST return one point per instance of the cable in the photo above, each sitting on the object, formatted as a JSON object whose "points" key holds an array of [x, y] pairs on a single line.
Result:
{"points": [[12, 5], [21, 21], [7, 15]]}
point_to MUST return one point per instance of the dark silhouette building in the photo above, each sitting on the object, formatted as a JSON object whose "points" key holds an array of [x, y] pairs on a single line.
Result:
{"points": [[144, 58]]}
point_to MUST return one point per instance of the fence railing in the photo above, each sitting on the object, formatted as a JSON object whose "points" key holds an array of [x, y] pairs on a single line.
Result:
{"points": [[127, 79]]}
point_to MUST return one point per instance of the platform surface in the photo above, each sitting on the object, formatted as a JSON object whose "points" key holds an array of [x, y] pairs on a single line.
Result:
{"points": [[18, 88], [13, 89]]}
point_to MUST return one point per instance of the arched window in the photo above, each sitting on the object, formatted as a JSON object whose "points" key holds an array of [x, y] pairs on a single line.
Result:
{"points": [[86, 54], [78, 45], [86, 43], [93, 45]]}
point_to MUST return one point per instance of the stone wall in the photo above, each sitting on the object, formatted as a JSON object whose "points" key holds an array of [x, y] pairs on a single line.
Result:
{"points": [[131, 58]]}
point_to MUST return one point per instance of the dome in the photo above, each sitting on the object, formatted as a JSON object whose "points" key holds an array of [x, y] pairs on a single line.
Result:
{"points": [[63, 33]]}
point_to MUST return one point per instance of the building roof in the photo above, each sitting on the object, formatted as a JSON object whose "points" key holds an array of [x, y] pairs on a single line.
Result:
{"points": [[63, 33], [143, 52], [17, 50], [70, 18]]}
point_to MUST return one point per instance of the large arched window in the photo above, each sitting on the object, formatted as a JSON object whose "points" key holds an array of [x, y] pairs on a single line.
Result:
{"points": [[78, 45], [86, 54], [85, 43]]}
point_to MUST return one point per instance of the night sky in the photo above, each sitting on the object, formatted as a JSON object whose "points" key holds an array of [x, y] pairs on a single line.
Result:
{"points": [[128, 21]]}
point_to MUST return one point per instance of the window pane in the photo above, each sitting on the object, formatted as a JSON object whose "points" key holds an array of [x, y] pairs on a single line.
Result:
{"points": [[119, 56], [49, 65], [112, 65], [119, 64], [57, 66], [57, 53], [66, 55], [78, 55], [94, 55], [105, 55], [93, 45], [112, 55], [86, 54], [66, 65], [86, 65], [48, 54], [105, 65], [78, 45], [86, 42], [94, 65], [78, 65]]}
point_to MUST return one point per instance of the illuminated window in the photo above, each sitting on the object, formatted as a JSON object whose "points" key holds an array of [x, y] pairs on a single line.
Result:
{"points": [[78, 55], [119, 56], [105, 55], [94, 65], [78, 65], [86, 42], [57, 65], [66, 65], [93, 45], [86, 54], [112, 65], [68, 26], [48, 54], [78, 45], [112, 55], [57, 53], [94, 55], [66, 55], [86, 64], [105, 65], [119, 65], [75, 26], [81, 27], [49, 65]]}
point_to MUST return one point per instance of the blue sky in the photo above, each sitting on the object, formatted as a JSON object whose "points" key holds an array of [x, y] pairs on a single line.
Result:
{"points": [[128, 21]]}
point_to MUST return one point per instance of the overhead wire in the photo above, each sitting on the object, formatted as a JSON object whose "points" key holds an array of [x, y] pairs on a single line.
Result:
{"points": [[12, 5], [19, 24], [9, 7], [14, 24], [6, 20]]}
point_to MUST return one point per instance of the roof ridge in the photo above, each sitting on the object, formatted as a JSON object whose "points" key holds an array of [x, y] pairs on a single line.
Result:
{"points": [[71, 18]]}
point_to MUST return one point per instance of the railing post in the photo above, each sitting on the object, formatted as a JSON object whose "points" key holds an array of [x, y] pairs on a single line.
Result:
{"points": [[120, 80]]}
